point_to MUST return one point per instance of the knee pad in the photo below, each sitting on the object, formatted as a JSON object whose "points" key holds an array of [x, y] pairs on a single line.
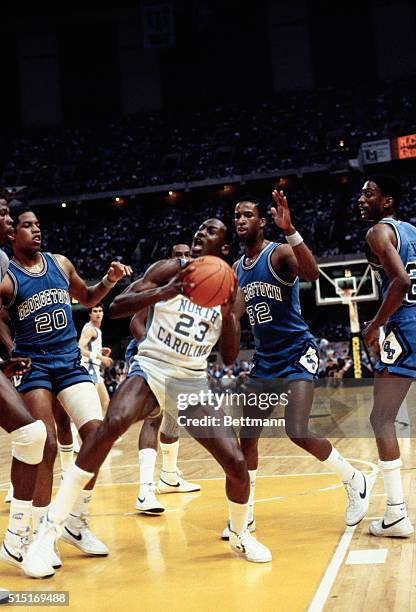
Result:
{"points": [[82, 403], [28, 442]]}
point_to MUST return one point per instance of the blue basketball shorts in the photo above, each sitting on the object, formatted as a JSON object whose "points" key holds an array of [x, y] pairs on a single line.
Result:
{"points": [[297, 359], [131, 351], [398, 349], [54, 371]]}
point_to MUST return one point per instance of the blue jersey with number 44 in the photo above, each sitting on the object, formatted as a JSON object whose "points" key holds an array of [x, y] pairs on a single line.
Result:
{"points": [[40, 309], [406, 248]]}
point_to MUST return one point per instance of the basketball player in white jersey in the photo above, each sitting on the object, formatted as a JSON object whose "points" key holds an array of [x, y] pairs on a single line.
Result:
{"points": [[93, 353], [170, 480], [171, 359]]}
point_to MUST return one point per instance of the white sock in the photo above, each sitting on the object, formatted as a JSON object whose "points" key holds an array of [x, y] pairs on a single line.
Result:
{"points": [[392, 481], [69, 489], [147, 462], [169, 456], [339, 465], [66, 455], [81, 504], [238, 514], [253, 475], [19, 515], [38, 512]]}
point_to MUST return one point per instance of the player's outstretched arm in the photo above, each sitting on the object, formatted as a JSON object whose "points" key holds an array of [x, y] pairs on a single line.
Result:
{"points": [[162, 281], [381, 240], [90, 296], [231, 328], [296, 258]]}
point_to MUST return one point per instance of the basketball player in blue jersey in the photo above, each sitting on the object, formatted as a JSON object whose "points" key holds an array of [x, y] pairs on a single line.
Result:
{"points": [[285, 350], [180, 336], [27, 435], [37, 291], [391, 250]]}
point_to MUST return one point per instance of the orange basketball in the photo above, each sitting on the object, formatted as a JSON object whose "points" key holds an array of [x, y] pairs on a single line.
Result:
{"points": [[213, 279]]}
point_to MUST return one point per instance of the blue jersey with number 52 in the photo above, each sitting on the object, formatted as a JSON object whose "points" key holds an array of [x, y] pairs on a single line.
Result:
{"points": [[272, 304], [40, 309], [406, 248]]}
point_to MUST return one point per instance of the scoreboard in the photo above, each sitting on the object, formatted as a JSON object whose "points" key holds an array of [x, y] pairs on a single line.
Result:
{"points": [[379, 151], [404, 147]]}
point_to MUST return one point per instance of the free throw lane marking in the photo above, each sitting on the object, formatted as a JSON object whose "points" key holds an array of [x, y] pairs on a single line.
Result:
{"points": [[369, 556]]}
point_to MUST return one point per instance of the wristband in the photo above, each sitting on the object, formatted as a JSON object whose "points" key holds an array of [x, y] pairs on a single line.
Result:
{"points": [[294, 239], [107, 283]]}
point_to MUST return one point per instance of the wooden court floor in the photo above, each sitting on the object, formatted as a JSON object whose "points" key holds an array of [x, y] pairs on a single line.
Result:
{"points": [[178, 559]]}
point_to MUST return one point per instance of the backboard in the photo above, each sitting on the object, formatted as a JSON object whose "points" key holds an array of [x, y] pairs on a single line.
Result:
{"points": [[355, 275]]}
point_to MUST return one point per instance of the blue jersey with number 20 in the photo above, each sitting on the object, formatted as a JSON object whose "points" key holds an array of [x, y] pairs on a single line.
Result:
{"points": [[40, 309]]}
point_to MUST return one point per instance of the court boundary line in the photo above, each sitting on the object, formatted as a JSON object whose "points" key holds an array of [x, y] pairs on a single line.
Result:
{"points": [[321, 594], [328, 580]]}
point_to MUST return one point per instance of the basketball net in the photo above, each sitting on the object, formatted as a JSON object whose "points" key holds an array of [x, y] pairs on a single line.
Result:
{"points": [[346, 296]]}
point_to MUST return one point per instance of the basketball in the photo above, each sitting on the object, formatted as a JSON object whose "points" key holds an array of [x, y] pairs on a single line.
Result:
{"points": [[214, 281]]}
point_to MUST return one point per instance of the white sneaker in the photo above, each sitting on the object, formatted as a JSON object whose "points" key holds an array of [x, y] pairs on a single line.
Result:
{"points": [[38, 562], [172, 482], [395, 523], [77, 533], [226, 532], [358, 491], [9, 495], [14, 547], [55, 556], [147, 502], [247, 546]]}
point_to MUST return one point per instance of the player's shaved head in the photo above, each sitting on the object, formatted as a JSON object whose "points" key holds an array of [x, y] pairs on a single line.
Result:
{"points": [[219, 224], [210, 239]]}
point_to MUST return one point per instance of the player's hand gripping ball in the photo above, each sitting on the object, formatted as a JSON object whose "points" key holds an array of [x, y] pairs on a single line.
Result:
{"points": [[212, 280]]}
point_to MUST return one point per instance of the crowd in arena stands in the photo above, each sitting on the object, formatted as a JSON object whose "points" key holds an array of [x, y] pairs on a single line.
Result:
{"points": [[335, 363], [228, 379], [114, 376], [151, 149], [291, 130], [141, 233], [221, 379]]}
